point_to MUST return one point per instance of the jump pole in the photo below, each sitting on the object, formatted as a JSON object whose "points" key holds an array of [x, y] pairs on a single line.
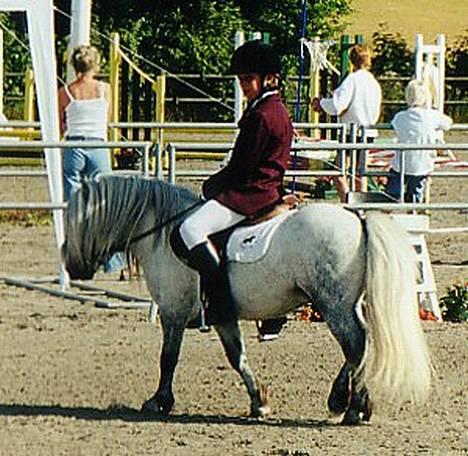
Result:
{"points": [[429, 52], [80, 26], [433, 76]]}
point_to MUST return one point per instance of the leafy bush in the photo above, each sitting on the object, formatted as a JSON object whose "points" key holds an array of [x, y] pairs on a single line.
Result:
{"points": [[457, 65], [392, 63], [457, 56], [454, 304], [391, 53]]}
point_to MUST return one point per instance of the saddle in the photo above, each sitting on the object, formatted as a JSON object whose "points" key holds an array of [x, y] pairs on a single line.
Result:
{"points": [[220, 239]]}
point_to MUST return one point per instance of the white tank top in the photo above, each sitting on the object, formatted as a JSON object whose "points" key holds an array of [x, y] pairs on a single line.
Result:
{"points": [[87, 118]]}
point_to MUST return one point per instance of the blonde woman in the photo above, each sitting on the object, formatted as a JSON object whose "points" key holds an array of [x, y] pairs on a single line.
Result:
{"points": [[83, 116]]}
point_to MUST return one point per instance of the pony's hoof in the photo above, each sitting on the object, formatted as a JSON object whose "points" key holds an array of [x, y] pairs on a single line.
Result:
{"points": [[260, 407], [367, 410], [337, 404], [260, 412], [153, 407], [351, 418]]}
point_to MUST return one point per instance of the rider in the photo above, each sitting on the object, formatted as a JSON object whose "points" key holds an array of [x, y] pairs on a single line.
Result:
{"points": [[252, 181]]}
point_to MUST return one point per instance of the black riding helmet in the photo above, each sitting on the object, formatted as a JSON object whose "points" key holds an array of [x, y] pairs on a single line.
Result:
{"points": [[255, 57]]}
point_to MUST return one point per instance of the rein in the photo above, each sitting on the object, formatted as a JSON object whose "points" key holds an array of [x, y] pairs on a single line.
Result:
{"points": [[163, 224]]}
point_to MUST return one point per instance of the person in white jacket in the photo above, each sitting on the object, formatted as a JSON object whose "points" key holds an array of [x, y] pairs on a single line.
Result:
{"points": [[416, 125], [356, 101]]}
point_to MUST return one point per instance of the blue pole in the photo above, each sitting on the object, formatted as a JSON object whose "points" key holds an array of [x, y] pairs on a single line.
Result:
{"points": [[301, 60], [299, 82]]}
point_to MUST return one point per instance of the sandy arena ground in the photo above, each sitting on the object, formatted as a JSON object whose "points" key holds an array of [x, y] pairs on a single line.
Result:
{"points": [[73, 377]]}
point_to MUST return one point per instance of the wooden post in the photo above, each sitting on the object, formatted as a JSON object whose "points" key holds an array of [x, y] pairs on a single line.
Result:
{"points": [[148, 107], [124, 101], [114, 81], [159, 87], [344, 56], [29, 96], [314, 91], [114, 73]]}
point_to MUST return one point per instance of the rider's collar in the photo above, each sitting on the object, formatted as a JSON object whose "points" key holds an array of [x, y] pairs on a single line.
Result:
{"points": [[260, 98]]}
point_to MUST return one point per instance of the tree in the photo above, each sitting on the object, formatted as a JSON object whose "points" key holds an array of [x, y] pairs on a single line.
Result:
{"points": [[16, 60], [391, 53], [193, 36], [325, 19], [197, 35]]}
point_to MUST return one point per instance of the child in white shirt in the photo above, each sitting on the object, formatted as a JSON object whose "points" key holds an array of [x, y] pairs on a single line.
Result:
{"points": [[416, 125]]}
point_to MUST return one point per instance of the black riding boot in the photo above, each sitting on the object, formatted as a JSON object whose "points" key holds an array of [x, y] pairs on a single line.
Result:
{"points": [[205, 260]]}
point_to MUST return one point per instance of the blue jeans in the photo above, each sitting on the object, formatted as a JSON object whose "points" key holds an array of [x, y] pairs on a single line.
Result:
{"points": [[414, 190], [78, 163]]}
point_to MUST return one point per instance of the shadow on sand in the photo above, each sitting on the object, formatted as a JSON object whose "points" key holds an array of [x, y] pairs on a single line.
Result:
{"points": [[124, 413]]}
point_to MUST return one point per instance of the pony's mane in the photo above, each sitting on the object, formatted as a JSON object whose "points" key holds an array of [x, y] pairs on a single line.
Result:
{"points": [[102, 215]]}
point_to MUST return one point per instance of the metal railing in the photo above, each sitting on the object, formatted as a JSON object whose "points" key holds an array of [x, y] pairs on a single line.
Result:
{"points": [[143, 146], [172, 148], [341, 171]]}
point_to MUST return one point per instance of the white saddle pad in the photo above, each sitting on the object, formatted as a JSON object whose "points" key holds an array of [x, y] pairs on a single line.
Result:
{"points": [[249, 244]]}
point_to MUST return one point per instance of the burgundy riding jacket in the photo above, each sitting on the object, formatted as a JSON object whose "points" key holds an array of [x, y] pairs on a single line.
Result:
{"points": [[252, 181]]}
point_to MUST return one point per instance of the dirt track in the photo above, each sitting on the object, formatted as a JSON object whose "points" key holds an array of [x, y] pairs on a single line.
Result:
{"points": [[73, 377]]}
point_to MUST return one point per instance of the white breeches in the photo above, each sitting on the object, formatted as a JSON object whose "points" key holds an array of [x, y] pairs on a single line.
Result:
{"points": [[209, 219]]}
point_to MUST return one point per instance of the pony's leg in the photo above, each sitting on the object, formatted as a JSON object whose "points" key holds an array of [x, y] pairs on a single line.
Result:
{"points": [[345, 396], [233, 344], [340, 394], [163, 400], [360, 406]]}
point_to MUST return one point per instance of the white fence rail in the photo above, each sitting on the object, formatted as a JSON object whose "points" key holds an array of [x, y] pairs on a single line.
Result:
{"points": [[172, 173]]}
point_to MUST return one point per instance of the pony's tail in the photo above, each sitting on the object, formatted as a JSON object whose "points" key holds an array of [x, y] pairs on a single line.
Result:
{"points": [[396, 364]]}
